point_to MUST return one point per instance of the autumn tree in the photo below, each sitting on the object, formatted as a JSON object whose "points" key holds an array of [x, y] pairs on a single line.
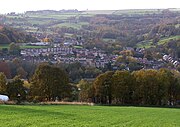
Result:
{"points": [[173, 85], [21, 72], [85, 91], [4, 67], [122, 87], [103, 88], [146, 86], [49, 82], [3, 85]]}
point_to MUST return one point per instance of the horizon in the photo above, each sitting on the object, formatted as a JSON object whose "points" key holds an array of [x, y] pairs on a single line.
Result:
{"points": [[21, 6]]}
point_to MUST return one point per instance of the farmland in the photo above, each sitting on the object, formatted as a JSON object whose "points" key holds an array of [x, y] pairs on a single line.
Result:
{"points": [[85, 23], [87, 116], [22, 46], [149, 43]]}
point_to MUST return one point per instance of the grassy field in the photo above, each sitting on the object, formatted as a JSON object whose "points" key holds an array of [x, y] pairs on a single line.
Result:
{"points": [[73, 25], [4, 46], [145, 44], [23, 46], [87, 116], [149, 43], [165, 40]]}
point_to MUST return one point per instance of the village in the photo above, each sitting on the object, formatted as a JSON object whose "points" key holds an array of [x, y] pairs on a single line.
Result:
{"points": [[68, 51], [72, 51]]}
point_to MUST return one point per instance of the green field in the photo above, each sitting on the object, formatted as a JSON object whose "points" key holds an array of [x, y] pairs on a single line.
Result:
{"points": [[73, 25], [87, 116], [4, 46], [145, 44], [32, 47], [23, 46], [165, 40], [149, 43]]}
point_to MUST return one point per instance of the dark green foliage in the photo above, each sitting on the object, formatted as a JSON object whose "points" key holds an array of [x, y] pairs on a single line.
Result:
{"points": [[16, 90], [77, 71], [49, 83]]}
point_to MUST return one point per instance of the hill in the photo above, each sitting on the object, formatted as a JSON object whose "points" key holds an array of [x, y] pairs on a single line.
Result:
{"points": [[134, 28], [8, 35], [108, 30]]}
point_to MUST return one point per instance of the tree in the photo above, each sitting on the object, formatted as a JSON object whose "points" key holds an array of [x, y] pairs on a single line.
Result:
{"points": [[103, 88], [16, 90], [85, 91], [14, 49], [4, 67], [49, 82], [173, 85], [146, 87], [4, 39], [3, 86], [75, 71], [21, 72], [122, 87]]}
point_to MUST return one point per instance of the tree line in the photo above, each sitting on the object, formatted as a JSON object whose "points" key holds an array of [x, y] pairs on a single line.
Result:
{"points": [[142, 87], [51, 83]]}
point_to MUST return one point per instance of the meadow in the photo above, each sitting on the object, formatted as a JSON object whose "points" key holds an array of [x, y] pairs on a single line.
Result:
{"points": [[23, 46], [149, 43], [87, 116]]}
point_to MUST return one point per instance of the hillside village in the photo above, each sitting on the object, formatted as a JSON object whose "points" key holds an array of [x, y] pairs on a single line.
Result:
{"points": [[111, 41], [72, 51]]}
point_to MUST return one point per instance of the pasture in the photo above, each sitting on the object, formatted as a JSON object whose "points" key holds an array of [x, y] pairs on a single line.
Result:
{"points": [[23, 46], [4, 46], [87, 116], [149, 43]]}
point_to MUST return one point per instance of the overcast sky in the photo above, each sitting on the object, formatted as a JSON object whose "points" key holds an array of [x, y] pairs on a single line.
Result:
{"points": [[26, 5]]}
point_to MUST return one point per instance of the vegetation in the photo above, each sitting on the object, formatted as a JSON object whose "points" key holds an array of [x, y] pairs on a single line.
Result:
{"points": [[143, 87], [87, 116], [8, 35], [7, 46], [52, 82], [15, 90], [122, 26], [49, 83], [112, 32], [2, 83]]}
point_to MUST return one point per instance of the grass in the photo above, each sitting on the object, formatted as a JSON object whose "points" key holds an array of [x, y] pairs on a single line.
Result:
{"points": [[165, 40], [4, 46], [145, 44], [73, 25], [22, 46], [87, 116], [32, 47], [95, 12], [137, 11], [78, 47], [149, 43]]}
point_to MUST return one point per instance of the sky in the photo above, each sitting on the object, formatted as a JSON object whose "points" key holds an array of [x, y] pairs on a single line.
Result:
{"points": [[20, 6]]}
